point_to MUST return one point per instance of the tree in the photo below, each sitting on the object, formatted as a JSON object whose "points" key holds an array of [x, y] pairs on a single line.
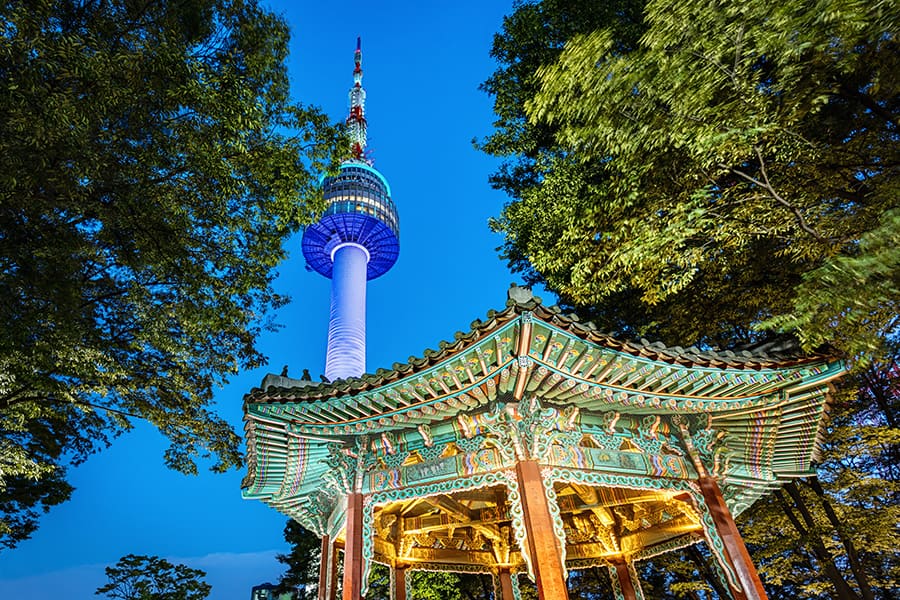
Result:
{"points": [[303, 560], [445, 585], [152, 578], [533, 36], [153, 166], [751, 147], [302, 575]]}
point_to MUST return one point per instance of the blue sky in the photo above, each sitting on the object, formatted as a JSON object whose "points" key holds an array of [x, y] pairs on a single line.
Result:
{"points": [[423, 62]]}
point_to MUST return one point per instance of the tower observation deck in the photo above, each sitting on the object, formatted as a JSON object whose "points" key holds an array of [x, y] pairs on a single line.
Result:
{"points": [[356, 239]]}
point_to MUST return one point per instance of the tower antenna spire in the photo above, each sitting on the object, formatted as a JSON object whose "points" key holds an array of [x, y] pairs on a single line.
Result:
{"points": [[356, 121]]}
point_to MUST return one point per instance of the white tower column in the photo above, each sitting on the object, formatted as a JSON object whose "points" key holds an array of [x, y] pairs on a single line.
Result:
{"points": [[346, 354]]}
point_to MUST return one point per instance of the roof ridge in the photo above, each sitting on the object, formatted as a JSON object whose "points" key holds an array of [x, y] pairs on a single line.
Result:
{"points": [[521, 300]]}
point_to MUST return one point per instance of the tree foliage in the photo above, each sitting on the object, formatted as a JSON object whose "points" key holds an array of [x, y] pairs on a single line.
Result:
{"points": [[533, 36], [750, 146], [302, 562], [153, 166], [302, 575], [152, 578]]}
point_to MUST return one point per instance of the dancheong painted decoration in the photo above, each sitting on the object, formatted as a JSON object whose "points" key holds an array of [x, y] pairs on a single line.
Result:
{"points": [[533, 428], [531, 444]]}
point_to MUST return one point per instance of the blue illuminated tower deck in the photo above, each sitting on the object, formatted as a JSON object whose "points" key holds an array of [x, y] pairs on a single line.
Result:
{"points": [[356, 239]]}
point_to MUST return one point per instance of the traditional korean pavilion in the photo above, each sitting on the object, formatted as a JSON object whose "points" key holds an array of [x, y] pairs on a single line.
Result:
{"points": [[532, 443], [535, 443]]}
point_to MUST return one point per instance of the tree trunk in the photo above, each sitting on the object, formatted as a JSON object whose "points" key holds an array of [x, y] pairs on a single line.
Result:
{"points": [[855, 564], [707, 572], [881, 386], [841, 588]]}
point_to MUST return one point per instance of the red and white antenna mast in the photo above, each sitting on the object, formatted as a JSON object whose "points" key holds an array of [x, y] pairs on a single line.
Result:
{"points": [[356, 122]]}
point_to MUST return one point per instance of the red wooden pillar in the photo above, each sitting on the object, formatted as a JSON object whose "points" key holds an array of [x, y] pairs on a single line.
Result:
{"points": [[353, 560], [626, 584], [325, 568], [398, 582], [735, 551], [546, 556], [506, 585], [333, 588]]}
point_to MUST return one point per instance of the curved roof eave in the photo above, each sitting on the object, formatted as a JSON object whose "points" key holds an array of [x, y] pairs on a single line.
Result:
{"points": [[521, 302]]}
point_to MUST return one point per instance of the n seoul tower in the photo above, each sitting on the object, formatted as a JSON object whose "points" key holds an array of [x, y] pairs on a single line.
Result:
{"points": [[356, 239]]}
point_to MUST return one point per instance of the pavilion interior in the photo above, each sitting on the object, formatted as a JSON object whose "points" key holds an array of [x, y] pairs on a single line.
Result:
{"points": [[474, 527]]}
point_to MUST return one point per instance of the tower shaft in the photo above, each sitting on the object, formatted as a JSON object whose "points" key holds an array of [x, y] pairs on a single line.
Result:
{"points": [[346, 353]]}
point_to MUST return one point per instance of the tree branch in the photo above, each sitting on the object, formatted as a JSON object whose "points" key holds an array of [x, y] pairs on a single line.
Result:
{"points": [[867, 101], [767, 185]]}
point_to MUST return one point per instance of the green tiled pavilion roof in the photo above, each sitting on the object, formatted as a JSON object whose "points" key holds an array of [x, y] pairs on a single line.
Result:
{"points": [[768, 404]]}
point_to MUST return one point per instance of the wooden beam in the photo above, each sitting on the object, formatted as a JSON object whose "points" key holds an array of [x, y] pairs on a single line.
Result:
{"points": [[465, 517], [590, 498], [593, 549], [353, 539], [453, 508], [735, 551], [544, 550], [487, 495], [410, 506], [658, 533], [450, 557], [491, 532]]}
